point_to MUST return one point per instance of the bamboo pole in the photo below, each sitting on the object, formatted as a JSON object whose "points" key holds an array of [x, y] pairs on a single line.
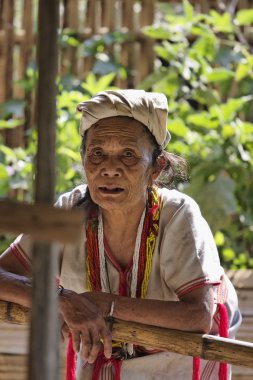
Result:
{"points": [[44, 350], [207, 347]]}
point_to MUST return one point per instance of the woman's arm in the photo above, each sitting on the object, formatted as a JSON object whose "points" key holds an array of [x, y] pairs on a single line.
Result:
{"points": [[15, 285], [193, 312], [82, 317]]}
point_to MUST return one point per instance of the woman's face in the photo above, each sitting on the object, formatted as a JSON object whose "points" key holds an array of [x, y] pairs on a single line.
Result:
{"points": [[118, 163]]}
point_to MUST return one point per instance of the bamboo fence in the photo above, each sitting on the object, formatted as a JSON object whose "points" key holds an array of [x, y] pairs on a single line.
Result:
{"points": [[85, 20]]}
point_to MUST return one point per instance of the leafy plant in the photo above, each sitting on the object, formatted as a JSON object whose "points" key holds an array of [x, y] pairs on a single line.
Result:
{"points": [[206, 73]]}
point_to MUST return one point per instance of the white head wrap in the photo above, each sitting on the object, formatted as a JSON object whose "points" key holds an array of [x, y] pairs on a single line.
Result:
{"points": [[151, 109]]}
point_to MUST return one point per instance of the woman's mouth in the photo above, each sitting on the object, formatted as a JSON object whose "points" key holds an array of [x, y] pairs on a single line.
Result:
{"points": [[110, 189]]}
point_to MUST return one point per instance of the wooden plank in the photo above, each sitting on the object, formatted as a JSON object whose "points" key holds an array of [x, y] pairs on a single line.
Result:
{"points": [[42, 221], [14, 339], [13, 367], [185, 343], [90, 15], [13, 313], [241, 278], [106, 11], [14, 352], [12, 138], [26, 51], [69, 59]]}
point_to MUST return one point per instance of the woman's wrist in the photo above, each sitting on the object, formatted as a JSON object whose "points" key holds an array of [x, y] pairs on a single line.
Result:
{"points": [[110, 315]]}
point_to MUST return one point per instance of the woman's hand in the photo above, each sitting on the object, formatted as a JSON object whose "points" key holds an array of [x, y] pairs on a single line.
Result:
{"points": [[86, 324], [102, 300]]}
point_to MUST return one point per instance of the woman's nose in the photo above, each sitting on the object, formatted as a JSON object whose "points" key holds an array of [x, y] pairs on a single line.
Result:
{"points": [[111, 167]]}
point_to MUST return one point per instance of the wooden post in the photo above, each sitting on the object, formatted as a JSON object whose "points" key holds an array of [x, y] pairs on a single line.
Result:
{"points": [[44, 362]]}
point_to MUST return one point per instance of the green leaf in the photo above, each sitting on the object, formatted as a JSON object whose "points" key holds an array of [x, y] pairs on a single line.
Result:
{"points": [[151, 79], [227, 131], [216, 198], [177, 127], [10, 124], [222, 22], [206, 46], [220, 75], [243, 70], [163, 53], [205, 96], [188, 10], [4, 181], [228, 254], [8, 152], [93, 85], [230, 109], [244, 17], [69, 153], [202, 119], [219, 238], [158, 33]]}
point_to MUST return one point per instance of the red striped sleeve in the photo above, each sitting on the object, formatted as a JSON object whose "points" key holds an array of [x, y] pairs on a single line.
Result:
{"points": [[194, 284], [21, 256]]}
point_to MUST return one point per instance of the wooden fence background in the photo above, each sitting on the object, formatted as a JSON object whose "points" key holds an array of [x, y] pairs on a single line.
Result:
{"points": [[85, 19]]}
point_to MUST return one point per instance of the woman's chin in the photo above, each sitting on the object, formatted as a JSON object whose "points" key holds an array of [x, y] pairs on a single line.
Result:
{"points": [[111, 201]]}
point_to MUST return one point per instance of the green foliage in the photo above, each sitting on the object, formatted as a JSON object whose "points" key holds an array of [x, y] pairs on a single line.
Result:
{"points": [[206, 74]]}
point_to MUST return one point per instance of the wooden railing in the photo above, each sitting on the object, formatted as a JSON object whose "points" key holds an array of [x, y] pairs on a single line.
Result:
{"points": [[205, 346]]}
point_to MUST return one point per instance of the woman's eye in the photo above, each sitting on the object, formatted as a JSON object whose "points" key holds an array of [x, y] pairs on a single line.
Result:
{"points": [[97, 153], [128, 153]]}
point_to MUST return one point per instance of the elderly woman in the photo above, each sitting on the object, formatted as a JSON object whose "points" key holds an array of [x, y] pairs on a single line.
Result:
{"points": [[147, 254]]}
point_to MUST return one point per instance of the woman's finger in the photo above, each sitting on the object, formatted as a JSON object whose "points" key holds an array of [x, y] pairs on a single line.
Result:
{"points": [[65, 331], [76, 339], [106, 335], [96, 346], [86, 344]]}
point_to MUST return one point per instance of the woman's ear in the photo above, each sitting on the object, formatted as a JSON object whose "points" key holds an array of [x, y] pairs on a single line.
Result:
{"points": [[159, 165]]}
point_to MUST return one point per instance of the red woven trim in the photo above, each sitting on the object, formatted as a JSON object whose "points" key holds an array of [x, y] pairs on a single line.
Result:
{"points": [[208, 370], [196, 369], [142, 255], [92, 252], [21, 256], [71, 362], [151, 226], [195, 286], [101, 361], [189, 283], [223, 331], [222, 291]]}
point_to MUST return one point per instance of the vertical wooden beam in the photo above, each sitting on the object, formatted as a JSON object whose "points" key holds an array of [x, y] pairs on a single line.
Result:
{"points": [[26, 49], [71, 21], [44, 362], [6, 62], [147, 55]]}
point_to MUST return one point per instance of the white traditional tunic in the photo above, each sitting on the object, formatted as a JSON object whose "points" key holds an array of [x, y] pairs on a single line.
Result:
{"points": [[185, 258]]}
